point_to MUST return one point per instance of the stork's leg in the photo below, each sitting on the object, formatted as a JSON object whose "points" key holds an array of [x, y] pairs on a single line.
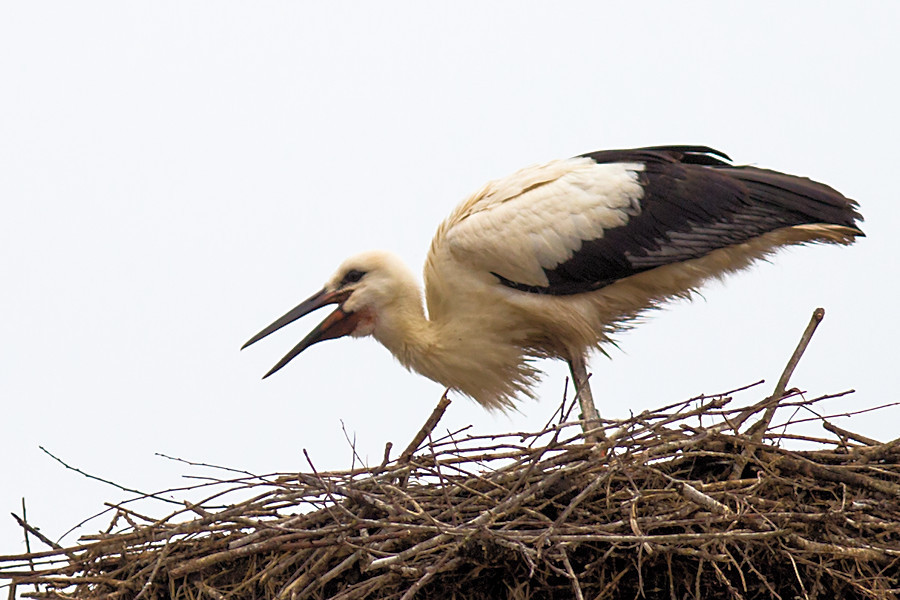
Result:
{"points": [[589, 414]]}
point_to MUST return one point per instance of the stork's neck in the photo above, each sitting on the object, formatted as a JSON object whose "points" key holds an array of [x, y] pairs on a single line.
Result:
{"points": [[403, 328], [456, 351]]}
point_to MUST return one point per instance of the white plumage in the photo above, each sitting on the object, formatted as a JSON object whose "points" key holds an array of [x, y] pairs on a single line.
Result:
{"points": [[552, 260], [536, 218]]}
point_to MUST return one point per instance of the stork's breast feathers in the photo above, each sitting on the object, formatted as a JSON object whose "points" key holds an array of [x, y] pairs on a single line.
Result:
{"points": [[524, 226]]}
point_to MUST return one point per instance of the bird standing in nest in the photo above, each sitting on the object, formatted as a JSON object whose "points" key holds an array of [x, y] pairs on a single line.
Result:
{"points": [[554, 259]]}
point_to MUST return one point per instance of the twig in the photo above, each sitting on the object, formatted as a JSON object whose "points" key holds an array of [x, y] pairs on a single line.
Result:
{"points": [[203, 464], [443, 564], [850, 435], [576, 585], [814, 321], [310, 573], [325, 487], [698, 497], [23, 522], [352, 442], [160, 558], [107, 481], [386, 458], [426, 430], [808, 467], [36, 533], [760, 428]]}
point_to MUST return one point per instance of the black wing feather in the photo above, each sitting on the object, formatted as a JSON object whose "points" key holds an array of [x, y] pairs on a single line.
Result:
{"points": [[694, 202]]}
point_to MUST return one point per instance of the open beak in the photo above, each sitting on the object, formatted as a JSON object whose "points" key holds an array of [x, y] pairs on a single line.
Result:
{"points": [[338, 323]]}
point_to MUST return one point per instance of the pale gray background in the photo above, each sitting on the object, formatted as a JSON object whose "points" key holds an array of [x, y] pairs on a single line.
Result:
{"points": [[176, 175]]}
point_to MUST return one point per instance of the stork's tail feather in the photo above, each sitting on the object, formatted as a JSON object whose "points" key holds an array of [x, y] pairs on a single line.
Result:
{"points": [[803, 202]]}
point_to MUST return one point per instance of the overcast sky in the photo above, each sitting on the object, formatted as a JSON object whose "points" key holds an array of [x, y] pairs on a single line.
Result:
{"points": [[174, 176]]}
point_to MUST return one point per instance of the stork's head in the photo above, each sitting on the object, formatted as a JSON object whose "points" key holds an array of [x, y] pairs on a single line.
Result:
{"points": [[363, 287]]}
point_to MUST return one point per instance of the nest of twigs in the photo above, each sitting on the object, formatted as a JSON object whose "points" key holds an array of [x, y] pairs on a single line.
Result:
{"points": [[694, 500]]}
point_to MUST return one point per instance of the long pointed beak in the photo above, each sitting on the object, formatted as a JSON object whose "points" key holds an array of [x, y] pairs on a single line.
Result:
{"points": [[337, 324], [316, 301]]}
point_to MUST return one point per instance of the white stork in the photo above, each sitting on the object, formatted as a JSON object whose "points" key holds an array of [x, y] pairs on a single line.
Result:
{"points": [[554, 259]]}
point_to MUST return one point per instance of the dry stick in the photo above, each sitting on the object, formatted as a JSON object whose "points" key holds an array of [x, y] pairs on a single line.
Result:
{"points": [[207, 560], [882, 583], [158, 495], [66, 581], [734, 391], [426, 430], [27, 539], [818, 417], [876, 453], [107, 481], [850, 435], [25, 527], [274, 569], [127, 512], [385, 459], [814, 321], [797, 573], [759, 428], [443, 564], [320, 582], [576, 586], [724, 581], [160, 557], [563, 414], [366, 587], [205, 587], [29, 529], [303, 579], [867, 554], [587, 491], [354, 454], [625, 429], [757, 572], [697, 497], [340, 568], [732, 423], [325, 488], [203, 464], [792, 461]]}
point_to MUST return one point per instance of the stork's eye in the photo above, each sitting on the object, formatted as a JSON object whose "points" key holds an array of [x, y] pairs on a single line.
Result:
{"points": [[352, 277]]}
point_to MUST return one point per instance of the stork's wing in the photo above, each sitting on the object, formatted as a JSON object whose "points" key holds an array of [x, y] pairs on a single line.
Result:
{"points": [[581, 224]]}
